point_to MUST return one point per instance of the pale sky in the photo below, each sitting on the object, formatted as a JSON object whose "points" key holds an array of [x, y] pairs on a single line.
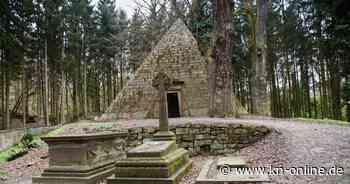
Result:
{"points": [[127, 5]]}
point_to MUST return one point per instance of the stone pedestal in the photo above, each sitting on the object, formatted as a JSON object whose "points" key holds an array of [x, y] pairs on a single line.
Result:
{"points": [[164, 136], [154, 162], [81, 159], [222, 171]]}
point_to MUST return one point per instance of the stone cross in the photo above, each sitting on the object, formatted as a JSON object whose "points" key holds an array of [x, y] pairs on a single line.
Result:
{"points": [[162, 83]]}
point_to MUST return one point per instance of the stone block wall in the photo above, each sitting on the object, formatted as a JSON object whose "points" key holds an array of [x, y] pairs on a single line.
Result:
{"points": [[13, 136], [204, 138]]}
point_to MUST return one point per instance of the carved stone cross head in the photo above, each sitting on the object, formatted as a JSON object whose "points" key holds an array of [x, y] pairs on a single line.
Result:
{"points": [[161, 80]]}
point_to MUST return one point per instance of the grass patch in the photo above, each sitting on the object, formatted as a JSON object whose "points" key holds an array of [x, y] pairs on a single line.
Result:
{"points": [[9, 153], [324, 121], [21, 148], [27, 142], [3, 174], [38, 142], [55, 132]]}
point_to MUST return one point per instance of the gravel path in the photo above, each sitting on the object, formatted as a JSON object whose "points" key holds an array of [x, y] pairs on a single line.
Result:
{"points": [[301, 144], [294, 144], [297, 144]]}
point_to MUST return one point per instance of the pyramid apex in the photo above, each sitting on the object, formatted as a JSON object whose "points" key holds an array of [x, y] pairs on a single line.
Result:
{"points": [[179, 22], [178, 27]]}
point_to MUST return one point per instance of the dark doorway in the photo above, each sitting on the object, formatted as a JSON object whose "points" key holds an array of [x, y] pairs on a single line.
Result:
{"points": [[173, 105]]}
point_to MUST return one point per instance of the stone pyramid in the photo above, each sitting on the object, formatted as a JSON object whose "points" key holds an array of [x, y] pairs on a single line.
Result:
{"points": [[177, 54]]}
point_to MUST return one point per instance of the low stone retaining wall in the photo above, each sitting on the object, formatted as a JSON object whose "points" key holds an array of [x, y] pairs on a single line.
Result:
{"points": [[91, 157], [13, 136], [199, 138]]}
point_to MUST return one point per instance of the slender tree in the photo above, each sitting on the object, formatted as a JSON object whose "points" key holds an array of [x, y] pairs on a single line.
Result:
{"points": [[259, 84], [220, 66]]}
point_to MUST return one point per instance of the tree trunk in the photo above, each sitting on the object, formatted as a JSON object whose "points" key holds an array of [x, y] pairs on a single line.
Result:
{"points": [[85, 89], [121, 72], [7, 116], [25, 97], [259, 87], [67, 102], [335, 88], [314, 94], [347, 98], [85, 109], [251, 46], [63, 95], [109, 80], [97, 94], [2, 98], [46, 88], [75, 97], [348, 111], [220, 66]]}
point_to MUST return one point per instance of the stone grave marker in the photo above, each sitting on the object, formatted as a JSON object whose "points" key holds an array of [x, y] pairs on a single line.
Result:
{"points": [[162, 82], [159, 161], [222, 171], [82, 159]]}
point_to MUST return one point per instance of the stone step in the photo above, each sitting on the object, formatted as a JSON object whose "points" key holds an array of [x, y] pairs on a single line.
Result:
{"points": [[173, 179], [55, 173], [152, 167], [75, 178]]}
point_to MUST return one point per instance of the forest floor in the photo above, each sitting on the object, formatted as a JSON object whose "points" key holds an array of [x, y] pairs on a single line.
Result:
{"points": [[295, 143]]}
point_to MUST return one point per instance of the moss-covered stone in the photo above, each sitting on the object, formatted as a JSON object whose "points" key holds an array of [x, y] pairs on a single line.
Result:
{"points": [[153, 162]]}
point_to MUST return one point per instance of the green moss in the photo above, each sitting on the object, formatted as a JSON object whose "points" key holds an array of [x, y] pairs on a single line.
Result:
{"points": [[55, 132], [2, 174], [37, 141], [7, 154], [177, 163], [20, 149]]}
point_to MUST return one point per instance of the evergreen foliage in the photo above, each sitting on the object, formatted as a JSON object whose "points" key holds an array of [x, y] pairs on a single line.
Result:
{"points": [[87, 51]]}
